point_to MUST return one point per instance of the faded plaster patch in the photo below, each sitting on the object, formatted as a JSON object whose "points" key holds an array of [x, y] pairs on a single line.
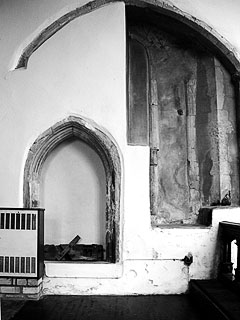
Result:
{"points": [[204, 261], [154, 254], [132, 274], [146, 268]]}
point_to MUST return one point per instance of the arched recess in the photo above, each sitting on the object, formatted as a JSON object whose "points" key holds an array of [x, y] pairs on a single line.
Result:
{"points": [[189, 23], [166, 71], [104, 146]]}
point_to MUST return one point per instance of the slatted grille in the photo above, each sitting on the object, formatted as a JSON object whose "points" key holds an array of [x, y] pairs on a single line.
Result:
{"points": [[17, 265], [18, 221], [21, 242]]}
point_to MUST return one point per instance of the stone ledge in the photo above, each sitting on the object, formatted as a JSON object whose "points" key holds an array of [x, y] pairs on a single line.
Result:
{"points": [[204, 219], [206, 213], [181, 226], [55, 269]]}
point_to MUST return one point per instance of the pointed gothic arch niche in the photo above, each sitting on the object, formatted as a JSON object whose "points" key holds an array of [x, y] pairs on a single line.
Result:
{"points": [[104, 146]]}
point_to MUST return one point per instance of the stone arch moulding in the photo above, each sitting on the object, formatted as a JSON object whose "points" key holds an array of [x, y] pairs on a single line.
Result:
{"points": [[211, 38], [107, 150]]}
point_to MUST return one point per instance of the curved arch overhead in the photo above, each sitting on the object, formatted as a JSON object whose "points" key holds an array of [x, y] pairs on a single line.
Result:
{"points": [[176, 106], [103, 145], [187, 23]]}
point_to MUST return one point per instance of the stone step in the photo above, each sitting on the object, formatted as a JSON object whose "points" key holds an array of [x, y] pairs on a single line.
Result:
{"points": [[215, 300]]}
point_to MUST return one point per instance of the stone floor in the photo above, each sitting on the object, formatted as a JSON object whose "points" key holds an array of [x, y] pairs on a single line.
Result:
{"points": [[173, 307], [10, 308]]}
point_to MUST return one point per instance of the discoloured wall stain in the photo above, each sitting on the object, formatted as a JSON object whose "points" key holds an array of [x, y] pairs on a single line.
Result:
{"points": [[192, 128], [132, 274], [192, 162], [155, 254], [229, 180], [146, 268], [171, 75], [203, 109]]}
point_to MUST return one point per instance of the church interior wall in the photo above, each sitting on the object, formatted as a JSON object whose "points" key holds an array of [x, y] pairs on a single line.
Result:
{"points": [[81, 71]]}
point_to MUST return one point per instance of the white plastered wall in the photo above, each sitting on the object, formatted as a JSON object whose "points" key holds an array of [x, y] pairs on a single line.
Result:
{"points": [[73, 194], [81, 71]]}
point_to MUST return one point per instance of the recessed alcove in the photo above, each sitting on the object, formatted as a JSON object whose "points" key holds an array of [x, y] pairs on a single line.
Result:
{"points": [[73, 184], [181, 103], [73, 170]]}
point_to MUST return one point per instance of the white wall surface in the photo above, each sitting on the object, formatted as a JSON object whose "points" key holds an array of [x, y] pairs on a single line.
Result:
{"points": [[81, 71], [220, 15], [73, 194], [162, 271]]}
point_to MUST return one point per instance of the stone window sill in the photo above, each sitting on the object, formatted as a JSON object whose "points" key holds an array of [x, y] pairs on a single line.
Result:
{"points": [[99, 270], [181, 226]]}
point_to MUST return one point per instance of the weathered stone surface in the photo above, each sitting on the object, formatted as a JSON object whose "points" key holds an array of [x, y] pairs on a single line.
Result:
{"points": [[103, 144], [5, 281], [194, 124], [21, 282], [34, 282], [31, 290], [10, 289]]}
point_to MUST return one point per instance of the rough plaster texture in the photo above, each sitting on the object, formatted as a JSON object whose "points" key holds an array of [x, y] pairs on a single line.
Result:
{"points": [[86, 57], [139, 277], [228, 165], [190, 126], [156, 268]]}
